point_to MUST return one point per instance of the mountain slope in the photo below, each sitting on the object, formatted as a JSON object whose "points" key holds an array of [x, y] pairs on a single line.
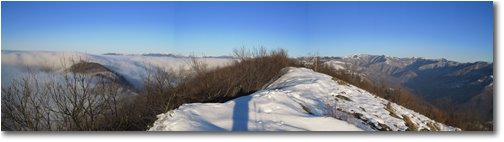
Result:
{"points": [[447, 84], [100, 71], [299, 100]]}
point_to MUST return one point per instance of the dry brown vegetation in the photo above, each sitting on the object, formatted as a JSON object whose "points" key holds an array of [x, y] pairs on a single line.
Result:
{"points": [[78, 104], [450, 116], [166, 90], [343, 97], [391, 110], [74, 102], [433, 126], [411, 126], [398, 95]]}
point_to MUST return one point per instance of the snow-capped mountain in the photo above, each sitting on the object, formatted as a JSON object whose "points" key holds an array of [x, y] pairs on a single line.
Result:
{"points": [[456, 85], [405, 69], [300, 100]]}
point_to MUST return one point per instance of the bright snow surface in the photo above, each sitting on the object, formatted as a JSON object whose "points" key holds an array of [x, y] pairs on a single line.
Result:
{"points": [[300, 100]]}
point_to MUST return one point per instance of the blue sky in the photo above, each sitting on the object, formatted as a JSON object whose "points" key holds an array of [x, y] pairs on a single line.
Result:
{"points": [[461, 31]]}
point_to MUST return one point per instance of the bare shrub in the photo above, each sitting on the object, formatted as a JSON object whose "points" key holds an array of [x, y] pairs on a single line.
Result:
{"points": [[24, 107], [72, 101], [254, 69], [197, 65], [166, 90]]}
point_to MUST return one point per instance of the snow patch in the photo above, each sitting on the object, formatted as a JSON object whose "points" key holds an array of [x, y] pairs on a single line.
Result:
{"points": [[300, 100]]}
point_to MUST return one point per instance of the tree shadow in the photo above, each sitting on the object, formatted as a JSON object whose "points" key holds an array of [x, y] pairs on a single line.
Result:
{"points": [[240, 114]]}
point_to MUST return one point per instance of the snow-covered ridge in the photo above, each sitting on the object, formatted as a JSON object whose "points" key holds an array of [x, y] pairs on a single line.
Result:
{"points": [[300, 100]]}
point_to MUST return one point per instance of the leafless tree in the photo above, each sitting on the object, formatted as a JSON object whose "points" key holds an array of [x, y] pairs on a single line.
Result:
{"points": [[72, 101]]}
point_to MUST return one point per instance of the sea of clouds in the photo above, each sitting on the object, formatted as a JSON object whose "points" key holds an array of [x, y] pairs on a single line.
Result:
{"points": [[16, 64]]}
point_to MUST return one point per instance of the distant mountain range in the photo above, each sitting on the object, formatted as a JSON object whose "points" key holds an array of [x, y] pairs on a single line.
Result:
{"points": [[168, 55], [444, 83], [300, 94]]}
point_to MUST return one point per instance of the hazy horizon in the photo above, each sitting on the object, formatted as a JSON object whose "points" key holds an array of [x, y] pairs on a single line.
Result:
{"points": [[458, 31], [230, 54]]}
